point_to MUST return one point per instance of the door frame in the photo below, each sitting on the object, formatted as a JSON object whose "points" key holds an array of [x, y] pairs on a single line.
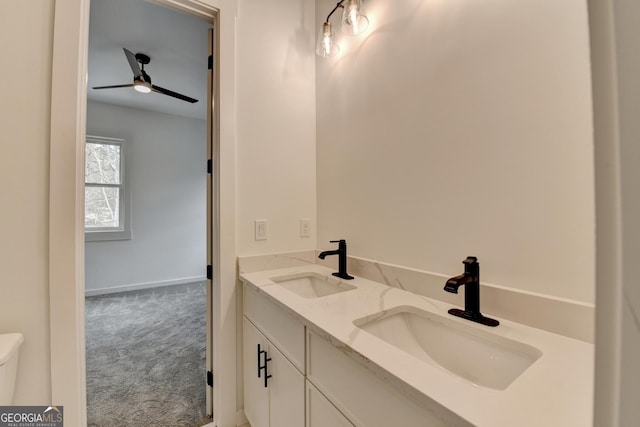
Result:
{"points": [[66, 207]]}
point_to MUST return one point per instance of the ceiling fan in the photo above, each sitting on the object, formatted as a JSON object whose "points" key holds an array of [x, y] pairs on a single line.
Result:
{"points": [[142, 80]]}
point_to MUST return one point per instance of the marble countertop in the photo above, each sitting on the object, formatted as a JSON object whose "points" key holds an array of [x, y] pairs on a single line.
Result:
{"points": [[556, 390]]}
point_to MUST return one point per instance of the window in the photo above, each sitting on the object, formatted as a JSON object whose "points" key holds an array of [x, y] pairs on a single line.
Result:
{"points": [[105, 190]]}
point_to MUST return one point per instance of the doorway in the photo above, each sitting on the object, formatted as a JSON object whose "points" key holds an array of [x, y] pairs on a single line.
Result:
{"points": [[147, 248], [66, 208]]}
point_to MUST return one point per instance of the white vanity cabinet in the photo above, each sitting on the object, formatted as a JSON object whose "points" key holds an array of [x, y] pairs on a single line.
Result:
{"points": [[273, 387], [364, 398], [273, 365], [348, 354], [321, 412], [297, 380]]}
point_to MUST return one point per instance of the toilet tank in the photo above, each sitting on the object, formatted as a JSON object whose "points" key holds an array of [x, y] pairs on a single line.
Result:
{"points": [[9, 349]]}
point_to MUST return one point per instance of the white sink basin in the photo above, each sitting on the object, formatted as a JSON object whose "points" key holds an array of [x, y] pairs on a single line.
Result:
{"points": [[312, 285], [468, 351]]}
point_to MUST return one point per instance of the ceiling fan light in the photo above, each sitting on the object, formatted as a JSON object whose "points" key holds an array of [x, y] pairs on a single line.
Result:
{"points": [[142, 86]]}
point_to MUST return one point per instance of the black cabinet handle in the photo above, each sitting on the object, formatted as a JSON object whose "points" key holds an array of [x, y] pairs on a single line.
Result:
{"points": [[267, 375], [265, 366], [260, 367]]}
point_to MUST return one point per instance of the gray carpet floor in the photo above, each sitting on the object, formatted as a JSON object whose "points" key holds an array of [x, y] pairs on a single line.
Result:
{"points": [[146, 358]]}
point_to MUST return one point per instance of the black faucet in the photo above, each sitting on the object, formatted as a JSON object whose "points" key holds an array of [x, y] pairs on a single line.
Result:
{"points": [[471, 282], [342, 259]]}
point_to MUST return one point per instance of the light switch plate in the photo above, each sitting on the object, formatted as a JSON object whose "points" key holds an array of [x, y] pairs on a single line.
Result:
{"points": [[261, 229]]}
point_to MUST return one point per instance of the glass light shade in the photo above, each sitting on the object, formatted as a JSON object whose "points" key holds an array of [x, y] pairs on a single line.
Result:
{"points": [[327, 46], [142, 87], [354, 20]]}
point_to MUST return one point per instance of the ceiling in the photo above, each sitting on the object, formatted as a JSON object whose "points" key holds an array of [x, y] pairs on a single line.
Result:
{"points": [[177, 44]]}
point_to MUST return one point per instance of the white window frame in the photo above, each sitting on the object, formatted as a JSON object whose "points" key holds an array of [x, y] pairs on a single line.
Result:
{"points": [[123, 232]]}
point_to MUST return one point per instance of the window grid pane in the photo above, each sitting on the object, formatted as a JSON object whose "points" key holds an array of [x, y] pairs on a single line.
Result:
{"points": [[102, 163], [102, 207]]}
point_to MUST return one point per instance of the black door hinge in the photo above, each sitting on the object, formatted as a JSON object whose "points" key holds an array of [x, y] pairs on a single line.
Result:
{"points": [[210, 62], [210, 166], [209, 272], [210, 378]]}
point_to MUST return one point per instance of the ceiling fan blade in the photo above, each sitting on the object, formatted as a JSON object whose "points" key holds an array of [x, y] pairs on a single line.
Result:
{"points": [[112, 86], [133, 63], [164, 91]]}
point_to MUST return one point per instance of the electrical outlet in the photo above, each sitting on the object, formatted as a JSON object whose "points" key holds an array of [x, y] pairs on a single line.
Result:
{"points": [[261, 229], [305, 227]]}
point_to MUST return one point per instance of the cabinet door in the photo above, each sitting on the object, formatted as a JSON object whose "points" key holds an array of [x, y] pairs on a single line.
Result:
{"points": [[321, 413], [362, 396], [256, 395], [286, 391]]}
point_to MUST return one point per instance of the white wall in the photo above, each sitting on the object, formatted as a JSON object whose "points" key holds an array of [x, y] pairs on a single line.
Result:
{"points": [[166, 165], [455, 128], [275, 123], [26, 28], [276, 162], [616, 80]]}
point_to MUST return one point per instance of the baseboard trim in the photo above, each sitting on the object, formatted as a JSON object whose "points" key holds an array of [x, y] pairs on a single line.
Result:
{"points": [[140, 286]]}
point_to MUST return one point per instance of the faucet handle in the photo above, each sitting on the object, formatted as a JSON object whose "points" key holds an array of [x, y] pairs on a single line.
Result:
{"points": [[471, 266], [337, 241]]}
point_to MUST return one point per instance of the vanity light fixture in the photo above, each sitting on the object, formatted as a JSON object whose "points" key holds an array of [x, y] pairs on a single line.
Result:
{"points": [[327, 46], [353, 22]]}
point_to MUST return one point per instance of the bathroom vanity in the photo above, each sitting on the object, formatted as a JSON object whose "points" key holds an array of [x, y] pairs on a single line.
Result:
{"points": [[322, 351]]}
